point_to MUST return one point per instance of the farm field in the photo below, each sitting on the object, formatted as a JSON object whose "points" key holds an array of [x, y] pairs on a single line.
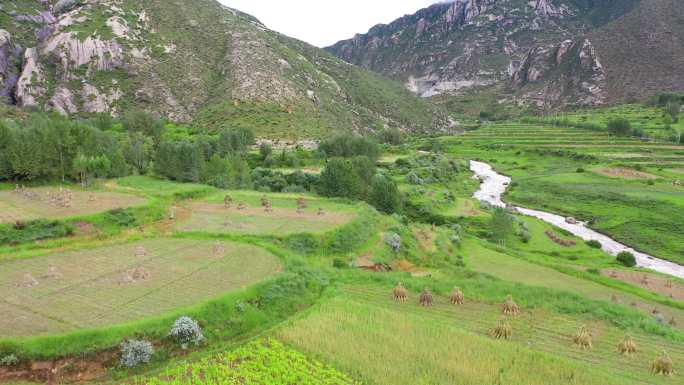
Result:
{"points": [[569, 171], [386, 342], [512, 269], [43, 202], [281, 219], [62, 292]]}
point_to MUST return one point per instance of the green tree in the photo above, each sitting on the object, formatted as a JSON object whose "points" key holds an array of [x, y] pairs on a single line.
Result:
{"points": [[143, 122], [340, 179], [673, 108], [619, 127], [234, 140], [86, 168], [626, 258], [384, 195], [501, 225]]}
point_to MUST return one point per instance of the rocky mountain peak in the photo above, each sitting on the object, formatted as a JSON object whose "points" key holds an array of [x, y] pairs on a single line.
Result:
{"points": [[471, 45]]}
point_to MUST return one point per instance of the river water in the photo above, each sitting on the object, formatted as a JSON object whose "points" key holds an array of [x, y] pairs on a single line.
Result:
{"points": [[494, 185]]}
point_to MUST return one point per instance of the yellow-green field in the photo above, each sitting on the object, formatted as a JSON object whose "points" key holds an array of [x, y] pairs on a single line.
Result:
{"points": [[96, 287], [382, 342]]}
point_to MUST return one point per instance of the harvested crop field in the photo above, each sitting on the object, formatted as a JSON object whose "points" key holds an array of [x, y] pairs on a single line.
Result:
{"points": [[652, 282], [68, 291], [387, 342], [51, 203], [626, 173], [215, 218]]}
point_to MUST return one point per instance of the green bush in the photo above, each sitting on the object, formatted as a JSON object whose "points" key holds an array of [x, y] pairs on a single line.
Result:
{"points": [[619, 127], [626, 258], [24, 232], [594, 244]]}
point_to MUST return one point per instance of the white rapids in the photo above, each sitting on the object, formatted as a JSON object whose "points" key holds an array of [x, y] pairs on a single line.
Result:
{"points": [[494, 185]]}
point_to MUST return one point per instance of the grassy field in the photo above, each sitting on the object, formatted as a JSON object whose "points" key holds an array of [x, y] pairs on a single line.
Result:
{"points": [[382, 342], [36, 204], [98, 287]]}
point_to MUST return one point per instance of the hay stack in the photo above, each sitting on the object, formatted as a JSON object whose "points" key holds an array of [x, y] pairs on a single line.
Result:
{"points": [[140, 274], [583, 339], [614, 299], [126, 278], [503, 330], [242, 206], [227, 201], [400, 293], [510, 307], [426, 298], [218, 249], [457, 297], [140, 252], [627, 346], [663, 365], [644, 280], [53, 272], [28, 281]]}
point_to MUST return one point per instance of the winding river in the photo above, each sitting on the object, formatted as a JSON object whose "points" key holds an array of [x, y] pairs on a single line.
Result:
{"points": [[494, 185]]}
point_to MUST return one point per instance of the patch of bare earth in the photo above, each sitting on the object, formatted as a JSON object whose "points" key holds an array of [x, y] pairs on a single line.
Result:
{"points": [[652, 282], [625, 173], [64, 370]]}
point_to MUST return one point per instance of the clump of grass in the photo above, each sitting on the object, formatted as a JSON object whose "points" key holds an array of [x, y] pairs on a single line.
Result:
{"points": [[627, 346], [583, 339], [400, 293], [426, 298], [503, 330], [457, 297], [663, 365], [509, 307]]}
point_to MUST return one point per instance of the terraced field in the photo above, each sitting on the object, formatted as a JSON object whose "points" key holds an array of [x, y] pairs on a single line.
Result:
{"points": [[67, 291], [282, 218], [35, 203], [626, 187], [401, 343]]}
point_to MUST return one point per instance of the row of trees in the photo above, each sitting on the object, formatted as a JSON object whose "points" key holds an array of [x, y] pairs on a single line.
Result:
{"points": [[351, 172], [51, 147]]}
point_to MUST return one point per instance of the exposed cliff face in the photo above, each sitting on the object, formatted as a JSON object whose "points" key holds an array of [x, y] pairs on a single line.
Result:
{"points": [[546, 52], [186, 59]]}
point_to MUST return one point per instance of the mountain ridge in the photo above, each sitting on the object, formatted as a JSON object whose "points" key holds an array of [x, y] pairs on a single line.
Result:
{"points": [[197, 62], [549, 53]]}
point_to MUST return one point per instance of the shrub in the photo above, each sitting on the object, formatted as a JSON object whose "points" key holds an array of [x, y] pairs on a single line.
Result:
{"points": [[626, 258], [594, 244], [121, 217], [186, 331], [619, 126], [136, 352], [393, 240], [9, 360], [580, 170], [340, 263]]}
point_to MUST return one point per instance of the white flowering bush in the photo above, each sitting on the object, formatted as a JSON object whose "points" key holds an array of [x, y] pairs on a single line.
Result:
{"points": [[136, 352], [393, 240], [186, 331]]}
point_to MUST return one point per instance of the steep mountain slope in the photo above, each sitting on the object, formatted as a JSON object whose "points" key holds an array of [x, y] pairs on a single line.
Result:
{"points": [[190, 60], [549, 52]]}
